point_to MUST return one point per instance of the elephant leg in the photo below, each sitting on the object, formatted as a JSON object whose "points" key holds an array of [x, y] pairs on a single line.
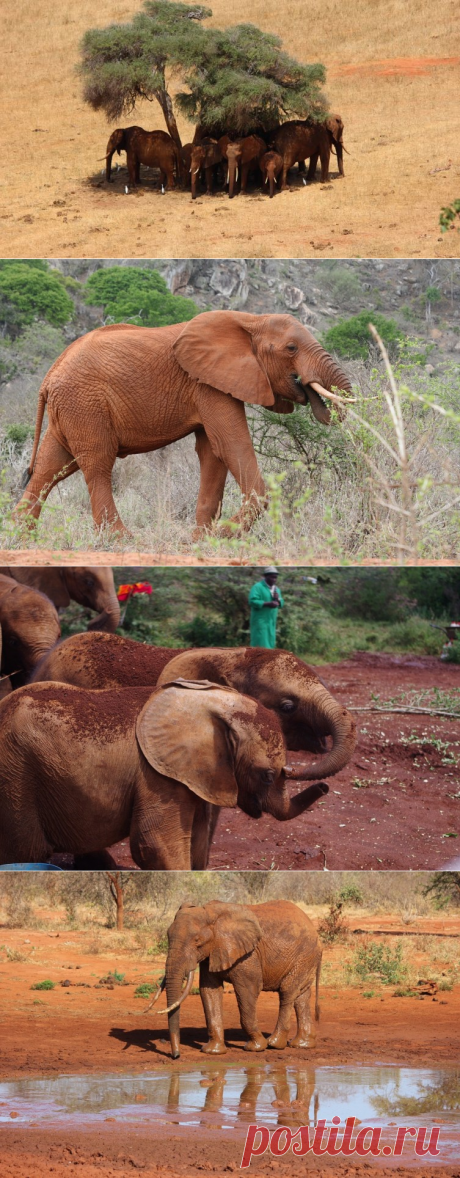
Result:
{"points": [[209, 173], [213, 474], [244, 176], [97, 472], [53, 464], [211, 991], [247, 1000], [133, 168], [227, 430], [201, 840], [325, 155], [287, 163], [304, 1036], [312, 167], [280, 1034], [161, 824]]}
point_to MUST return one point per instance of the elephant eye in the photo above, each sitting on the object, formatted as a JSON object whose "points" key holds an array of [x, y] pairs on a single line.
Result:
{"points": [[292, 348], [287, 705]]}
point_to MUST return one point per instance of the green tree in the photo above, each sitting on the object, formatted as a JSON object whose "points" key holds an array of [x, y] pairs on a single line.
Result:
{"points": [[29, 292], [237, 78], [243, 80], [350, 338], [133, 295]]}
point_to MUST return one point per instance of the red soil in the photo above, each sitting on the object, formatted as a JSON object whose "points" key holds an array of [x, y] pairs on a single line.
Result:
{"points": [[87, 1030]]}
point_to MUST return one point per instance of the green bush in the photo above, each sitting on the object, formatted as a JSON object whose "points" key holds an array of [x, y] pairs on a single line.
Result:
{"points": [[47, 984], [413, 634], [145, 990], [202, 631], [351, 894], [135, 295], [33, 293], [382, 960], [453, 653], [351, 339], [19, 433]]}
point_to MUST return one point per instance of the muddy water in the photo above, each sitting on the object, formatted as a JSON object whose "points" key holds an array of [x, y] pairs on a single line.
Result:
{"points": [[225, 1098]]}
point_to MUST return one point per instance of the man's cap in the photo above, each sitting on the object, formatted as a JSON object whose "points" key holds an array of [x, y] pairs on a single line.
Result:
{"points": [[270, 569]]}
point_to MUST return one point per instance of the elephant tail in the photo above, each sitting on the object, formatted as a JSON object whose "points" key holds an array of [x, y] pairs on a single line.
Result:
{"points": [[42, 399], [317, 1006]]}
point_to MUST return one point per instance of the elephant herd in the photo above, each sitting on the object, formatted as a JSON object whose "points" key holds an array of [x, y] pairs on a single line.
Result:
{"points": [[229, 160], [103, 738]]}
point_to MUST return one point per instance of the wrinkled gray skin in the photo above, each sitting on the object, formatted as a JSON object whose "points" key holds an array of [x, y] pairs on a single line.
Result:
{"points": [[272, 946], [93, 588]]}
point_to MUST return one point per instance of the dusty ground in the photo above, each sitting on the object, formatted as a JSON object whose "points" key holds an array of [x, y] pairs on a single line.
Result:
{"points": [[396, 782], [80, 1029], [402, 167]]}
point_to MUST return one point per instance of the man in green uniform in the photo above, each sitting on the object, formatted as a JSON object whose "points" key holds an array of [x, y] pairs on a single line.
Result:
{"points": [[265, 600]]}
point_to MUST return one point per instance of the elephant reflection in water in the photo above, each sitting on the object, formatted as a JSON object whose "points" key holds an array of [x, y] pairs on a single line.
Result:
{"points": [[216, 1081]]}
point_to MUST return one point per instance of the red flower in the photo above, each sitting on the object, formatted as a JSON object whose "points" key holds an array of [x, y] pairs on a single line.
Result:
{"points": [[127, 591]]}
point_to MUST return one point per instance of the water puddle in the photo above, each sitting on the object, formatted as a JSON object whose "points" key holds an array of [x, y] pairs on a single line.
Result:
{"points": [[216, 1096]]}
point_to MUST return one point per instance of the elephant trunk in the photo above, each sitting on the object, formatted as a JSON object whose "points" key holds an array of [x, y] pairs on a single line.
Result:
{"points": [[109, 618], [331, 374], [272, 184], [281, 806], [327, 716], [232, 176], [175, 995], [108, 166]]}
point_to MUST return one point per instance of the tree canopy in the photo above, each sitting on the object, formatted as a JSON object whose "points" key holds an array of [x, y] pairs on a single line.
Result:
{"points": [[239, 78], [129, 294], [28, 291]]}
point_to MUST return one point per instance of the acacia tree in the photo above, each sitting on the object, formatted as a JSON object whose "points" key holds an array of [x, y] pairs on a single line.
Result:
{"points": [[238, 78]]}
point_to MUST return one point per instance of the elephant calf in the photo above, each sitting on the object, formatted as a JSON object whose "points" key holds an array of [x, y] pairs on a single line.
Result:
{"points": [[256, 947], [81, 770]]}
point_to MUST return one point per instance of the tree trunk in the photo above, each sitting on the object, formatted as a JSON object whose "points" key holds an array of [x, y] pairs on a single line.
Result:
{"points": [[116, 891], [165, 102]]}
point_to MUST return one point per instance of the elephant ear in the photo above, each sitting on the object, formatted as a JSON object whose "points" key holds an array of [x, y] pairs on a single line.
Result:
{"points": [[216, 348], [183, 731], [236, 933]]}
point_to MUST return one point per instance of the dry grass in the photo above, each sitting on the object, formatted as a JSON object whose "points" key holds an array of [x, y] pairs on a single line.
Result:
{"points": [[399, 126]]}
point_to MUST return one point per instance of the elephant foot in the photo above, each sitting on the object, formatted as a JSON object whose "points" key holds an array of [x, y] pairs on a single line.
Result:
{"points": [[278, 1041], [303, 1041], [257, 1043], [214, 1047]]}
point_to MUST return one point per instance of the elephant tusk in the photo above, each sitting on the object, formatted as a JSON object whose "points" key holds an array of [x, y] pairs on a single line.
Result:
{"points": [[331, 396], [157, 995], [195, 173], [184, 995]]}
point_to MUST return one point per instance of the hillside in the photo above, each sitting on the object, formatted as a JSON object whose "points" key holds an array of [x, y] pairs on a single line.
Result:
{"points": [[401, 130]]}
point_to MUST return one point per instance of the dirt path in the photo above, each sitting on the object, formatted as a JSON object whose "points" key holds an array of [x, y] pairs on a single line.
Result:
{"points": [[41, 556], [397, 781], [401, 168]]}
